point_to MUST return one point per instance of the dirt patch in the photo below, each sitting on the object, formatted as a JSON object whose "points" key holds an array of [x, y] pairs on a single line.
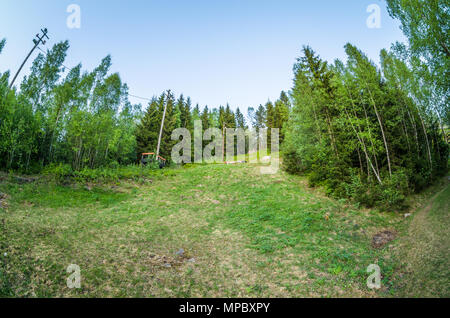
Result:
{"points": [[381, 239], [3, 204], [425, 249], [170, 261], [24, 180]]}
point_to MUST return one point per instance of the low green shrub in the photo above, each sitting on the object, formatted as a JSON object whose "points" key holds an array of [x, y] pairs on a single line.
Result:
{"points": [[64, 173], [389, 195], [58, 172], [292, 162]]}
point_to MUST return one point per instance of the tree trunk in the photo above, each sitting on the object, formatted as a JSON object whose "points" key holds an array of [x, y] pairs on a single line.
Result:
{"points": [[382, 132], [364, 147]]}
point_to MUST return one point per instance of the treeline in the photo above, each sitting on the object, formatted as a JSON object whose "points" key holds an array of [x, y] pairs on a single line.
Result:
{"points": [[366, 132], [375, 134], [83, 119], [181, 114], [363, 132]]}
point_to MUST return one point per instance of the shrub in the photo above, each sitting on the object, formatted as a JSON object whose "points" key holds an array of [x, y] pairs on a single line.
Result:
{"points": [[292, 162], [58, 172], [394, 191], [389, 195], [63, 173]]}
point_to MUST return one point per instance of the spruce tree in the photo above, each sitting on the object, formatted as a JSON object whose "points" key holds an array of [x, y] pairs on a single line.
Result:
{"points": [[179, 112], [222, 118], [205, 118], [169, 125], [148, 129], [229, 117], [240, 120], [280, 116], [187, 116], [270, 122], [260, 117], [196, 113]]}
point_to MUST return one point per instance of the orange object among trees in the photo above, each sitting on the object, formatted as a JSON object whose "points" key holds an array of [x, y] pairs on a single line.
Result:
{"points": [[151, 157]]}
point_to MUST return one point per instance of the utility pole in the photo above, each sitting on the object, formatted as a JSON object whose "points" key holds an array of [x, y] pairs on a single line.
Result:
{"points": [[223, 142], [162, 126], [36, 44]]}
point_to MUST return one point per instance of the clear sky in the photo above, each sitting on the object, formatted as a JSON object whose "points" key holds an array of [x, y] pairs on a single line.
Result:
{"points": [[216, 51]]}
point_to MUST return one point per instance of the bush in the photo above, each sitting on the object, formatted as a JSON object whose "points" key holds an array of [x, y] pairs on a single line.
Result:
{"points": [[389, 195], [332, 177], [292, 162], [393, 193], [58, 172], [63, 173]]}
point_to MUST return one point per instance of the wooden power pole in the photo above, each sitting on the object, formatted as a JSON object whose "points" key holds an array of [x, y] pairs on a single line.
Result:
{"points": [[36, 44], [162, 126], [223, 143]]}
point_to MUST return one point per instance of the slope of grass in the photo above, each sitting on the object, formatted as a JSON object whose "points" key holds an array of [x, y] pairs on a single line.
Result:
{"points": [[425, 250], [244, 235]]}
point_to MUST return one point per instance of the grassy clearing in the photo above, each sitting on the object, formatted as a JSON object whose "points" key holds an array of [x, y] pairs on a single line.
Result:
{"points": [[244, 235], [425, 250]]}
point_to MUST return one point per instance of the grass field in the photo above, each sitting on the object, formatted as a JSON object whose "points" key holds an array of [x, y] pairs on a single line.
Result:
{"points": [[243, 234], [426, 250]]}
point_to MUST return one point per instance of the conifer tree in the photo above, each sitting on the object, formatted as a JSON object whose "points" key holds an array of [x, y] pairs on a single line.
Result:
{"points": [[178, 111], [260, 117], [205, 118], [169, 125], [147, 132], [186, 119], [270, 121], [196, 113], [222, 118], [229, 118], [362, 132], [270, 116], [281, 114], [240, 120]]}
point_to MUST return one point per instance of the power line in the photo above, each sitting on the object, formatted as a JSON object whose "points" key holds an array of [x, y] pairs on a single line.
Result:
{"points": [[36, 45], [143, 98]]}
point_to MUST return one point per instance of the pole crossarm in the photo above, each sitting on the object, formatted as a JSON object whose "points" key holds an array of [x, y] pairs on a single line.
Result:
{"points": [[36, 44]]}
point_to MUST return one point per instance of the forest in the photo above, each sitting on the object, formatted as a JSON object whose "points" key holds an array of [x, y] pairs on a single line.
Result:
{"points": [[358, 208], [85, 120], [371, 133]]}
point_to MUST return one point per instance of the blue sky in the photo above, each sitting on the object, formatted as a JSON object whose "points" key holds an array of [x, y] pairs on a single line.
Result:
{"points": [[216, 51]]}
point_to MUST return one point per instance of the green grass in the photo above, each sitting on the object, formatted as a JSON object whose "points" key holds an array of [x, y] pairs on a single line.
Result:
{"points": [[55, 196], [245, 235], [425, 251]]}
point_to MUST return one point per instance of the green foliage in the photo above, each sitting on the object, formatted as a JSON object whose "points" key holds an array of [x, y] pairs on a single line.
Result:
{"points": [[180, 115], [147, 132], [64, 174], [426, 25], [2, 44], [240, 120], [390, 195], [59, 172], [361, 132], [271, 116], [82, 120]]}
